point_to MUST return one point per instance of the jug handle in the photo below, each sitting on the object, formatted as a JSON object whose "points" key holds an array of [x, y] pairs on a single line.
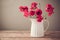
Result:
{"points": [[47, 25]]}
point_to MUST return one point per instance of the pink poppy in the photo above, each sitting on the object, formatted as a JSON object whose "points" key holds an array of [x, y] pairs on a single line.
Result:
{"points": [[32, 13], [34, 5], [38, 12], [40, 18], [49, 9]]}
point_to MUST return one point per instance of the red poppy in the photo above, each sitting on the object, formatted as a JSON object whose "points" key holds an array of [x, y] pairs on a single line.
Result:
{"points": [[40, 18], [34, 5], [23, 8], [38, 12], [26, 14], [49, 9], [32, 13]]}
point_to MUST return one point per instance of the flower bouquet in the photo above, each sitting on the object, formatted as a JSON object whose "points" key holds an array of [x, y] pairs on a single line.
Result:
{"points": [[35, 14]]}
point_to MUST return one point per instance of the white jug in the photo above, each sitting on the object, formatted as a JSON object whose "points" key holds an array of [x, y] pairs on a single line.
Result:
{"points": [[37, 28]]}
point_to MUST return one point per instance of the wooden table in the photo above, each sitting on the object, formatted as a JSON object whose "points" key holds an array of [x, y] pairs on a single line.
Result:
{"points": [[25, 35]]}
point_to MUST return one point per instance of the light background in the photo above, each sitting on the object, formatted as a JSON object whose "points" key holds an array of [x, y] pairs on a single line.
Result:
{"points": [[12, 19]]}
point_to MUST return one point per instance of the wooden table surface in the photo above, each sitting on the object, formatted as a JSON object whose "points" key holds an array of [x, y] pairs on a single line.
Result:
{"points": [[25, 35]]}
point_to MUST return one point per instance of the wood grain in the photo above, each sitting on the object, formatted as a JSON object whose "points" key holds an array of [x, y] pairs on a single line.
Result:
{"points": [[25, 35]]}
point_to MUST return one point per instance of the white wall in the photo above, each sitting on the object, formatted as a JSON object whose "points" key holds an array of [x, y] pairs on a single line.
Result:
{"points": [[13, 19]]}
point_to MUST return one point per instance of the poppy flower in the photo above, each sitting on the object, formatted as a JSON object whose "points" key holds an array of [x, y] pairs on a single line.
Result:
{"points": [[38, 12], [26, 14], [32, 13], [34, 5], [40, 18], [49, 9], [23, 8]]}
